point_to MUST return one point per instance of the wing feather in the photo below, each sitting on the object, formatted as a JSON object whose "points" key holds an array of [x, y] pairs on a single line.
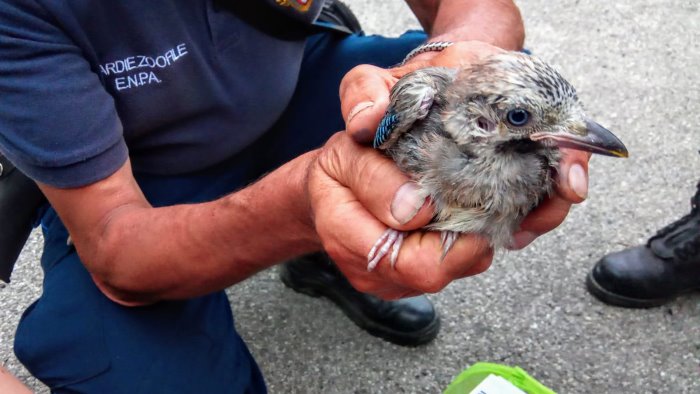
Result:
{"points": [[411, 100]]}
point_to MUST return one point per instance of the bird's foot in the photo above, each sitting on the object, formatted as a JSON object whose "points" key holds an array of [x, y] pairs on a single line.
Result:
{"points": [[390, 239], [447, 240]]}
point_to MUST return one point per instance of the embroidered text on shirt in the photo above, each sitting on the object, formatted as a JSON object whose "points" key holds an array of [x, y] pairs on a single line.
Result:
{"points": [[143, 63]]}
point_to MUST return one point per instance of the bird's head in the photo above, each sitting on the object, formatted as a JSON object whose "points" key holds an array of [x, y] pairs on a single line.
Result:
{"points": [[517, 97]]}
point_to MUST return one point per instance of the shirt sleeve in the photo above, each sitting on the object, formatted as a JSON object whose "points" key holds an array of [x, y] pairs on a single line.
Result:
{"points": [[58, 124]]}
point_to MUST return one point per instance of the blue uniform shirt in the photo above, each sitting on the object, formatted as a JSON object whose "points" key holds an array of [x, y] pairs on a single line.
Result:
{"points": [[177, 85]]}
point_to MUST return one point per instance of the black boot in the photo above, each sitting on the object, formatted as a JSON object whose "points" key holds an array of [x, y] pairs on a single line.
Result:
{"points": [[409, 322], [652, 274]]}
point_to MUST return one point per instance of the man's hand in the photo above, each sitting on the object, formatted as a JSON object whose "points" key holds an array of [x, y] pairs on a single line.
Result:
{"points": [[355, 194]]}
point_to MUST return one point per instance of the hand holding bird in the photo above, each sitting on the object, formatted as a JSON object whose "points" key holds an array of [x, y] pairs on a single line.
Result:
{"points": [[483, 143], [355, 192]]}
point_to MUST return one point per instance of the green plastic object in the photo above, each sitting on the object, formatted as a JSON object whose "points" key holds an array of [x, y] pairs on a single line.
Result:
{"points": [[466, 381]]}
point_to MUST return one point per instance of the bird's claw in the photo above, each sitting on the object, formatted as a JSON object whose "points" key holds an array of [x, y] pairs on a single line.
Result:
{"points": [[390, 239], [447, 240]]}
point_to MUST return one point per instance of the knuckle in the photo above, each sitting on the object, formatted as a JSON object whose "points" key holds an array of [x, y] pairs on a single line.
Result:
{"points": [[362, 70], [334, 140], [553, 219], [331, 157], [434, 284], [355, 75], [334, 250], [361, 76], [367, 170], [557, 220], [482, 265], [317, 179], [363, 286]]}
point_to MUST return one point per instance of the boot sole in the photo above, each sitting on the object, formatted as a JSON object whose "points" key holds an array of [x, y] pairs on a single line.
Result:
{"points": [[617, 300], [416, 338]]}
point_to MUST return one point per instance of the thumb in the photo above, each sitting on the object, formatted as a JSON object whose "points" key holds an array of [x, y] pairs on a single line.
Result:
{"points": [[364, 97], [572, 182]]}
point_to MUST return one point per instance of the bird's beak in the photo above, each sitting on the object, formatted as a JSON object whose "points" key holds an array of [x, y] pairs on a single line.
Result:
{"points": [[589, 136]]}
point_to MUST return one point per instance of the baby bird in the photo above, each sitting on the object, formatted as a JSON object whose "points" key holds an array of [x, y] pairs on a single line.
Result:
{"points": [[483, 143]]}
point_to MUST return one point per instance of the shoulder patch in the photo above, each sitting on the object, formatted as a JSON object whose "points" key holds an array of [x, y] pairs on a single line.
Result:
{"points": [[299, 5]]}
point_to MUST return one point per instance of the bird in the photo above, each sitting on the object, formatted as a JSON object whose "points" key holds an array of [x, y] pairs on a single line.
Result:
{"points": [[483, 143]]}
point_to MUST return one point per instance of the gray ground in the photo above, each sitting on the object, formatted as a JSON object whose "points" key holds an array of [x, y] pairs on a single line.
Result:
{"points": [[635, 64]]}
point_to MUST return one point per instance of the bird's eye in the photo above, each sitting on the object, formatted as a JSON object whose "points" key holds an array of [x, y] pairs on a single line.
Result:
{"points": [[518, 117]]}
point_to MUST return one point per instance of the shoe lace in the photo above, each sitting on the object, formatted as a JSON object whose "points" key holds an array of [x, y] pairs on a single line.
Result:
{"points": [[689, 249], [689, 246]]}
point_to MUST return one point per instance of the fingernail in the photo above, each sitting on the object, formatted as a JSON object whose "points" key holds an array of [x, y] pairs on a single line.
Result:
{"points": [[578, 180], [407, 202], [359, 108], [522, 239]]}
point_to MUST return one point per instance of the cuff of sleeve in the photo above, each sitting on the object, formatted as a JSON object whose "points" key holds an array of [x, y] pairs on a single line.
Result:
{"points": [[80, 173]]}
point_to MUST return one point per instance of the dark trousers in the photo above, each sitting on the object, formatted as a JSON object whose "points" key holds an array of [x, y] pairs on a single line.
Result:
{"points": [[75, 340]]}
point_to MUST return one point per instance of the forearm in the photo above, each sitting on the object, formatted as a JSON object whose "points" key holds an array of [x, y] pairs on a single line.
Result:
{"points": [[183, 251], [497, 22]]}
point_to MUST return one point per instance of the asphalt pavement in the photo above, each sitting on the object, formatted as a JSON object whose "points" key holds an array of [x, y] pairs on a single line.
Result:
{"points": [[636, 66]]}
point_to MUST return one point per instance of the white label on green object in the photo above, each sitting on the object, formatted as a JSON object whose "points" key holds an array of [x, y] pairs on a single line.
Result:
{"points": [[494, 384]]}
